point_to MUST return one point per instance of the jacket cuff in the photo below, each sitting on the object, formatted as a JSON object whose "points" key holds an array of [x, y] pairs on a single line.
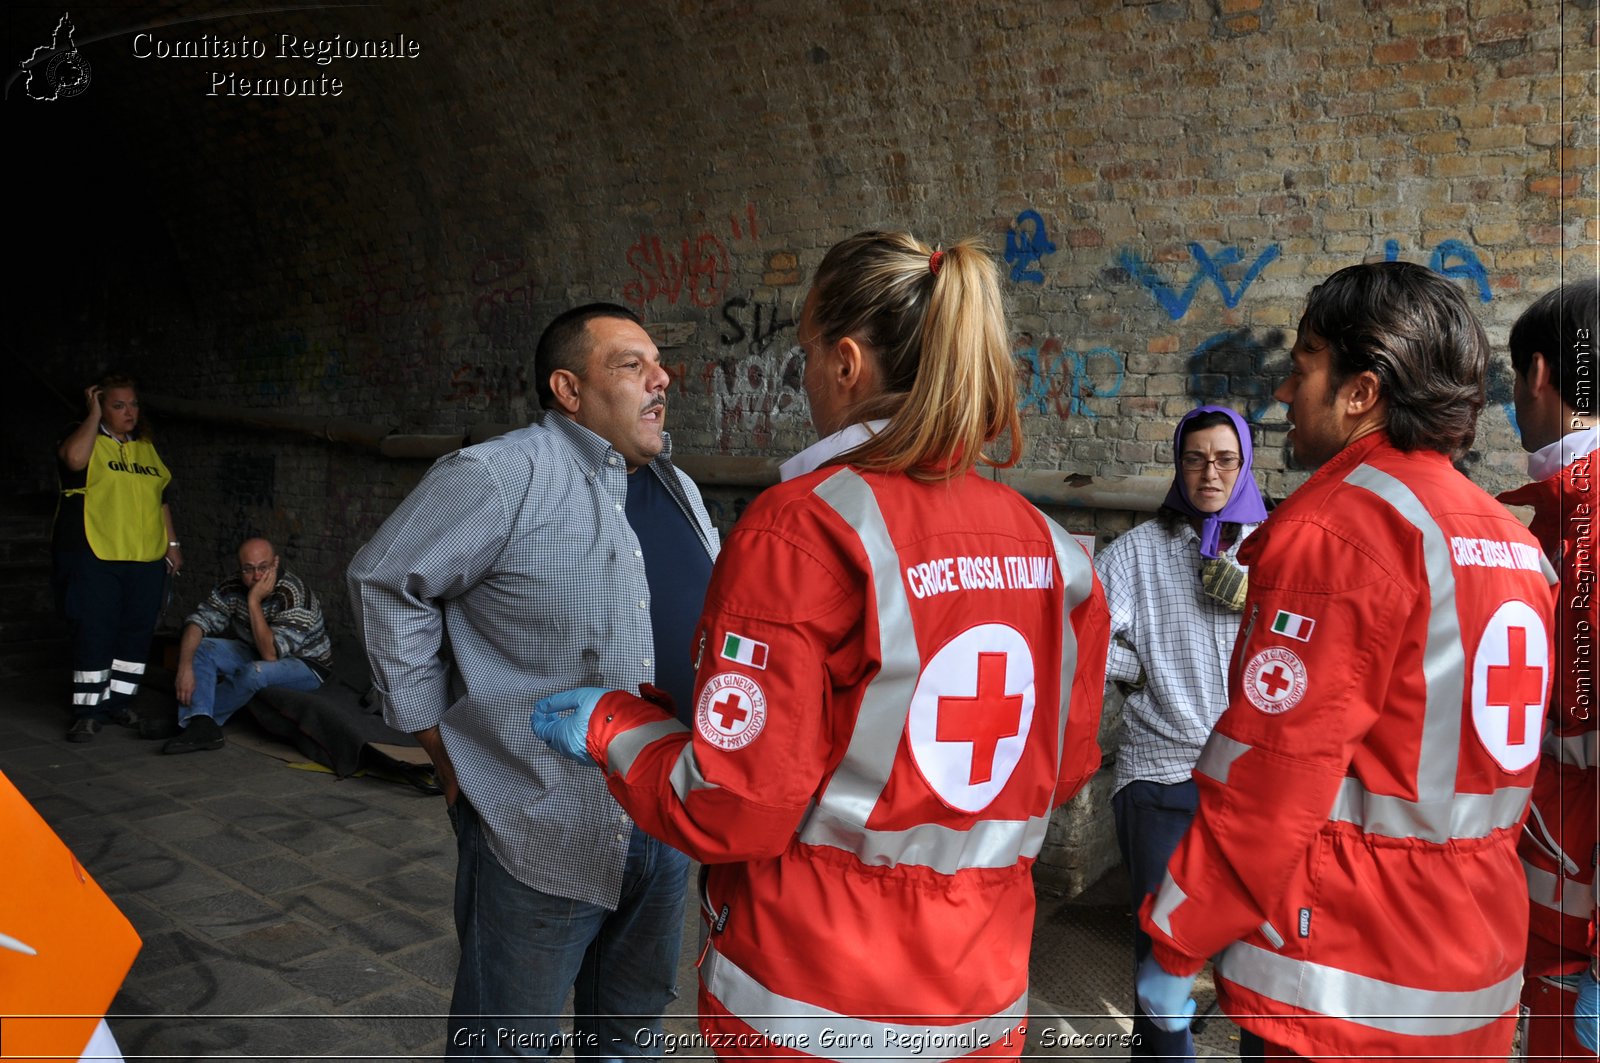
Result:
{"points": [[614, 712], [1174, 962]]}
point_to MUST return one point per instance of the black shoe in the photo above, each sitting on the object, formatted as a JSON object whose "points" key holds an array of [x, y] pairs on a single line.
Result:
{"points": [[83, 730], [124, 717], [201, 733]]}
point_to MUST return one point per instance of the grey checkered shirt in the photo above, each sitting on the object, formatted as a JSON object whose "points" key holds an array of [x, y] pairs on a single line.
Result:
{"points": [[1165, 628], [514, 560]]}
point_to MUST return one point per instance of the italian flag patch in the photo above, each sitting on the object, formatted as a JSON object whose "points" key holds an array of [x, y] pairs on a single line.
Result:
{"points": [[1293, 625], [745, 651]]}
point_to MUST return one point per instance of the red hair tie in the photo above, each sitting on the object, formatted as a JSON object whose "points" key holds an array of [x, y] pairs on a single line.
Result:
{"points": [[934, 261]]}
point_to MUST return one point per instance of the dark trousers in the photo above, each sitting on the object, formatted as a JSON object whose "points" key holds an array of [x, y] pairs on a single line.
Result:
{"points": [[1151, 820], [523, 950], [111, 608]]}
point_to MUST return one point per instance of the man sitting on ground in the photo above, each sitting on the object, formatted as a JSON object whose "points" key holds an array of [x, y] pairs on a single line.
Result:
{"points": [[259, 628]]}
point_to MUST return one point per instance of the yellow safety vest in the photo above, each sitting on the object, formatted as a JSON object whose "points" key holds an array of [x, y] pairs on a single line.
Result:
{"points": [[122, 500]]}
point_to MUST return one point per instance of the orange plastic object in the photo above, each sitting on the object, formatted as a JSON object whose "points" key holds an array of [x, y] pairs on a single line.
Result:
{"points": [[50, 1002]]}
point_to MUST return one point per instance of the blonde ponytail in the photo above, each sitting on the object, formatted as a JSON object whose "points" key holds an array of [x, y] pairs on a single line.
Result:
{"points": [[937, 328]]}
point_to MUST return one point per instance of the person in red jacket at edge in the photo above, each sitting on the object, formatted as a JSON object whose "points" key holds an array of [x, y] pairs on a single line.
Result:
{"points": [[899, 676], [1353, 864], [1553, 357]]}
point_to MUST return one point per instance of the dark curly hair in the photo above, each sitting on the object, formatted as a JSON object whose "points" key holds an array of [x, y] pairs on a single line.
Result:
{"points": [[1416, 332]]}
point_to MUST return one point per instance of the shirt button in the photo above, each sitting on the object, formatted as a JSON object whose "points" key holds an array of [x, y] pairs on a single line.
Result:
{"points": [[619, 507], [619, 837], [647, 662], [643, 604], [612, 460], [638, 553]]}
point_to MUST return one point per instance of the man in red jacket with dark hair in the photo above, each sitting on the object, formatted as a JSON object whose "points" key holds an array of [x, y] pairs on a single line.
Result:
{"points": [[1353, 863], [1553, 354]]}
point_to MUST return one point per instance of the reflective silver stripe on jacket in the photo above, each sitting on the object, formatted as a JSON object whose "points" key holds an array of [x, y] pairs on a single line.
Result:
{"points": [[858, 783], [1456, 816], [685, 777], [1168, 896], [1217, 758], [1365, 1001], [839, 818], [786, 1020], [1575, 898], [990, 843], [1444, 662], [622, 750], [1580, 751], [1077, 583]]}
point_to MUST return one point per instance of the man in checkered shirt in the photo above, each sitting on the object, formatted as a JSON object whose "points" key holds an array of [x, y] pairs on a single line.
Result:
{"points": [[568, 553]]}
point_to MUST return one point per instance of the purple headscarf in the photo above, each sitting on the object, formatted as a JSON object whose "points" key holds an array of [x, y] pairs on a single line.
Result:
{"points": [[1244, 504]]}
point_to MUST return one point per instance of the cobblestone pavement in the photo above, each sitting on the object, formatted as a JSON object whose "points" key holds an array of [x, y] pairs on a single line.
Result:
{"points": [[288, 914]]}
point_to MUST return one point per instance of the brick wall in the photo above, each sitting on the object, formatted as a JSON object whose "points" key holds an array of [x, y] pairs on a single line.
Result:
{"points": [[1161, 181]]}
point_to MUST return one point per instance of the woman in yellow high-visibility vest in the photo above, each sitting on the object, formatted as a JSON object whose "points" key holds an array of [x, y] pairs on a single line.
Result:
{"points": [[114, 545]]}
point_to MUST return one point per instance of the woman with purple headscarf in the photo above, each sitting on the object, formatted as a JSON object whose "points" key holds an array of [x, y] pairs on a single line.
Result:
{"points": [[1175, 589]]}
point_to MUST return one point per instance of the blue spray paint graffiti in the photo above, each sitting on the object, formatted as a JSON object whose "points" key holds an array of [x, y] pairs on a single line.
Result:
{"points": [[1176, 304], [1500, 390], [1066, 380], [1026, 243], [1468, 265], [1233, 365]]}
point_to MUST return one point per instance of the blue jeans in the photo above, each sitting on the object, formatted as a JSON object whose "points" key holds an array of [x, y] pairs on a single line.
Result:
{"points": [[522, 950], [1151, 820], [227, 674]]}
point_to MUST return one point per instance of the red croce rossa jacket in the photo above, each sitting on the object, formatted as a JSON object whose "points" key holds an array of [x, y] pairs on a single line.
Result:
{"points": [[1352, 867], [1560, 838], [897, 682]]}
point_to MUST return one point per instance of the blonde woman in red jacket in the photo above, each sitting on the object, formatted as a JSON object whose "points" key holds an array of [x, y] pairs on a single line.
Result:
{"points": [[900, 669]]}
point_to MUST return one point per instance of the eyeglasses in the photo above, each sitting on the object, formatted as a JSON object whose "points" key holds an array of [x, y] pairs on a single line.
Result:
{"points": [[1224, 462], [257, 570]]}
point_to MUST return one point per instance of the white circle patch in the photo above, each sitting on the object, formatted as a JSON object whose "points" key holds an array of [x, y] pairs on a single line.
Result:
{"points": [[731, 711], [971, 713], [1510, 682], [1275, 680]]}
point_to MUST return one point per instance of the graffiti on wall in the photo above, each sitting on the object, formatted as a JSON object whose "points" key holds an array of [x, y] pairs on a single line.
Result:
{"points": [[488, 383], [751, 325], [503, 296], [1208, 267], [1027, 242], [383, 291], [754, 395], [1452, 258], [1237, 365], [694, 268], [277, 364], [1062, 380]]}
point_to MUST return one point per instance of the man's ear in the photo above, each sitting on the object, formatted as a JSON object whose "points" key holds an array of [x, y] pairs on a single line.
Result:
{"points": [[1362, 393], [1537, 379], [564, 388]]}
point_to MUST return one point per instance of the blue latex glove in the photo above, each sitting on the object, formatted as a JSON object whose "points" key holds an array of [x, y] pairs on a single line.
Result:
{"points": [[563, 721], [1164, 997], [1586, 1015]]}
